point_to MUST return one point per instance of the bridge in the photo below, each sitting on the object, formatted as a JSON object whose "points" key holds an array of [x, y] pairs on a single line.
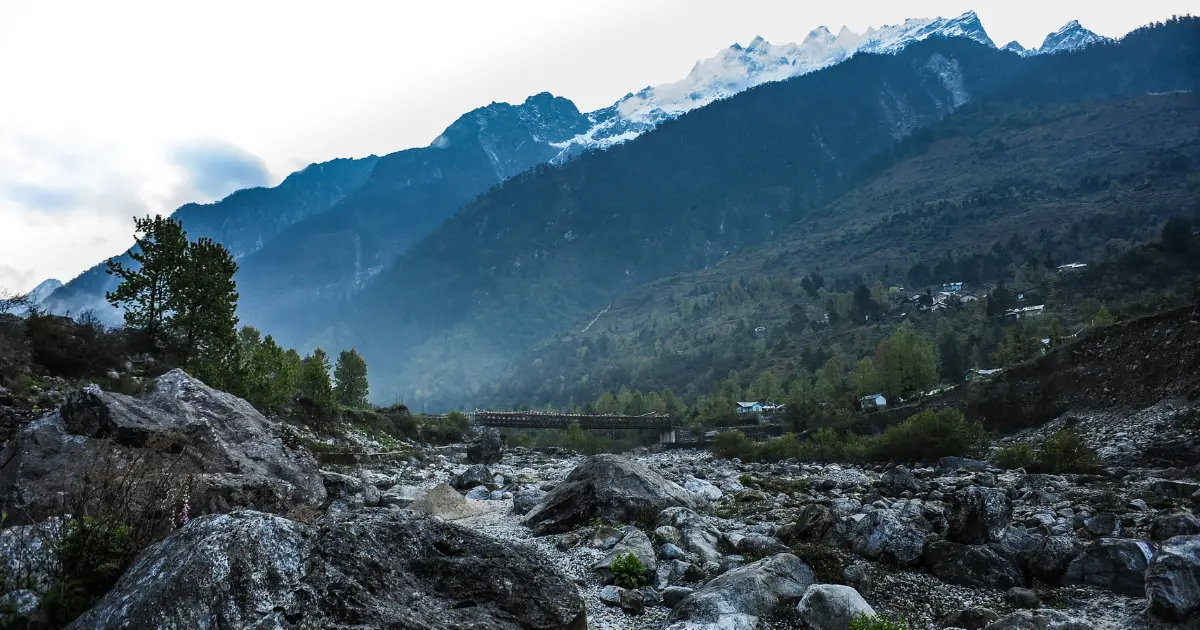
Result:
{"points": [[660, 422]]}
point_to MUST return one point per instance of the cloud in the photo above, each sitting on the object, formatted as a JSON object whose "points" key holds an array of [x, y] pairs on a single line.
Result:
{"points": [[216, 168], [38, 197]]}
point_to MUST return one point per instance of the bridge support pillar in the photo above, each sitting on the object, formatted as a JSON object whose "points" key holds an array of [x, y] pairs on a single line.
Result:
{"points": [[666, 436]]}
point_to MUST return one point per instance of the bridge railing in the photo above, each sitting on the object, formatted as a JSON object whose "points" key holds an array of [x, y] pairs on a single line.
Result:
{"points": [[555, 420]]}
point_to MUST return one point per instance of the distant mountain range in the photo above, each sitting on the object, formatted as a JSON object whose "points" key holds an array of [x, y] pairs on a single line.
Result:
{"points": [[329, 228], [442, 262]]}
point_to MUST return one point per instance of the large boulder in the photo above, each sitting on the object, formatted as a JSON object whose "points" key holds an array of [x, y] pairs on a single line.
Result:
{"points": [[235, 456], [737, 599], [608, 488], [812, 522], [696, 535], [1041, 557], [476, 475], [632, 541], [1171, 525], [832, 607], [443, 502], [885, 535], [1173, 579], [900, 479], [374, 568], [978, 566], [488, 449], [979, 515], [1113, 564], [1044, 619]]}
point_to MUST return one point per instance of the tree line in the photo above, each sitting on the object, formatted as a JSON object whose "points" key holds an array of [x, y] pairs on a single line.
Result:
{"points": [[180, 303]]}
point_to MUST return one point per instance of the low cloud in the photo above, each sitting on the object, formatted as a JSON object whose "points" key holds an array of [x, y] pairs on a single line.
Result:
{"points": [[215, 168], [37, 197]]}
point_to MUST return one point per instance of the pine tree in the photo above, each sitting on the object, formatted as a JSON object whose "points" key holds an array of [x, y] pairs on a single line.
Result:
{"points": [[147, 288], [203, 304], [351, 376], [314, 383]]}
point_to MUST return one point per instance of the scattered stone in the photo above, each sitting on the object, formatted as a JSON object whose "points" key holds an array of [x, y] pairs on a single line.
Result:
{"points": [[605, 538], [696, 535], [633, 541], [1105, 525], [832, 607], [858, 575], [811, 524], [479, 493]]}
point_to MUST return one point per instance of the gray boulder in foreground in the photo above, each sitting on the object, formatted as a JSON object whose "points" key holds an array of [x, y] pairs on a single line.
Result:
{"points": [[832, 607], [1113, 564], [608, 488], [237, 456], [375, 568], [737, 599], [1173, 579]]}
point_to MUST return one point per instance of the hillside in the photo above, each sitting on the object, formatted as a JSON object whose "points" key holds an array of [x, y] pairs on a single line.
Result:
{"points": [[976, 183], [243, 222], [555, 245]]}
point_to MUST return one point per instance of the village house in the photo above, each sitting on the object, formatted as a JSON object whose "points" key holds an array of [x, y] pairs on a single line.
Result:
{"points": [[749, 407], [1018, 313], [952, 287], [975, 374], [872, 401]]}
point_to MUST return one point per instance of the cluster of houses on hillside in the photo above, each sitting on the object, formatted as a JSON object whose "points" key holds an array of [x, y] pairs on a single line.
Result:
{"points": [[756, 407]]}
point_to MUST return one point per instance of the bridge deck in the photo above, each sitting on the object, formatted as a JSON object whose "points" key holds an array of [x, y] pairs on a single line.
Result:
{"points": [[551, 420]]}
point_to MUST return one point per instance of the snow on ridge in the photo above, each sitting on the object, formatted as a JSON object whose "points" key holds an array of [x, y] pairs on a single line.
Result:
{"points": [[739, 68]]}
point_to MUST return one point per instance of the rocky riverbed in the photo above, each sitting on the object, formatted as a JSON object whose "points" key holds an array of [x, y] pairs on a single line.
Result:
{"points": [[480, 536]]}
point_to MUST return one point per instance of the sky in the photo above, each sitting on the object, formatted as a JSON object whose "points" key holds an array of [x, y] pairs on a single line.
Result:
{"points": [[120, 108]]}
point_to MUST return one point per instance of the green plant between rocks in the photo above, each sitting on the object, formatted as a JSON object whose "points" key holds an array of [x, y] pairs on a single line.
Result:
{"points": [[627, 571], [875, 622]]}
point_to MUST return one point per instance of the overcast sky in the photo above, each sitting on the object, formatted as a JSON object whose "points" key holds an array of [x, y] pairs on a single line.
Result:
{"points": [[114, 109]]}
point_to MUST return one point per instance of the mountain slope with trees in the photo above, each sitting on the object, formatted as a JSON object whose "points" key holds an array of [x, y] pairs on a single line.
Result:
{"points": [[553, 246], [972, 200]]}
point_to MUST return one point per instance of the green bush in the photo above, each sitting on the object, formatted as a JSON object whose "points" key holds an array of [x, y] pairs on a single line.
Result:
{"points": [[1016, 456], [928, 436], [870, 622], [730, 444], [627, 571], [1065, 452]]}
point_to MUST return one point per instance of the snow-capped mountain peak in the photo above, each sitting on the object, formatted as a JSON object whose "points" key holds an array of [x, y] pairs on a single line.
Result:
{"points": [[1072, 36], [738, 68]]}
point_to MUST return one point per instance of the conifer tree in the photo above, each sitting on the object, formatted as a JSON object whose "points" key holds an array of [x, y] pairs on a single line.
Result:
{"points": [[314, 383], [203, 304], [351, 376], [147, 288]]}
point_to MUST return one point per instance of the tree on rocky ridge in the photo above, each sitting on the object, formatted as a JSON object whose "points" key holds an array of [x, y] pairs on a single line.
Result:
{"points": [[351, 377], [146, 290], [315, 385]]}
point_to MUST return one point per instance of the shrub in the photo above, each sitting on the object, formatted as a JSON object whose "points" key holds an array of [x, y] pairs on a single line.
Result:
{"points": [[875, 622], [730, 444], [930, 435], [627, 571], [120, 502], [1016, 456], [1065, 452]]}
